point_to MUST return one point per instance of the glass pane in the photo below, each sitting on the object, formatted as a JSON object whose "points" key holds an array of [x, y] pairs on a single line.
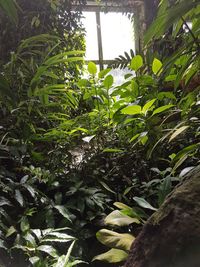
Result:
{"points": [[117, 34], [89, 22]]}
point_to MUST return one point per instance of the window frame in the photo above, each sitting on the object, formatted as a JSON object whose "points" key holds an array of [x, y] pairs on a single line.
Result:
{"points": [[117, 7]]}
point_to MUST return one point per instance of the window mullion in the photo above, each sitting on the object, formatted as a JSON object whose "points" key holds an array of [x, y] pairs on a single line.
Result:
{"points": [[99, 38]]}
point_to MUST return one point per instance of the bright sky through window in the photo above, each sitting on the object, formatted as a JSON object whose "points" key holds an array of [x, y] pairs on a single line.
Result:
{"points": [[117, 35]]}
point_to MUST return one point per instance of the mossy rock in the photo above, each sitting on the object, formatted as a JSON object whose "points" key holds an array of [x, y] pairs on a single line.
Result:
{"points": [[171, 236]]}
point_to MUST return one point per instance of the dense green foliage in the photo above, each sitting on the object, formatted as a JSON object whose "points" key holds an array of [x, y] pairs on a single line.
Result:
{"points": [[72, 146]]}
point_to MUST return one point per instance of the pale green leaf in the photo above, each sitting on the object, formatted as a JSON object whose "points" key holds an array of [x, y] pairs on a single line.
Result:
{"points": [[115, 240], [112, 256], [119, 219]]}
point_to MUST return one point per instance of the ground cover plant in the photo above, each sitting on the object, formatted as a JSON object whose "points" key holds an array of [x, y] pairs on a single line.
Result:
{"points": [[71, 147]]}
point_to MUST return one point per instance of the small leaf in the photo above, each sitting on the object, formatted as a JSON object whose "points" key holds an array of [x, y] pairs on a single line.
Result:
{"points": [[136, 63], [112, 256], [177, 132], [143, 203], [156, 66], [119, 219], [132, 110], [108, 82], [92, 68], [161, 109], [115, 240]]}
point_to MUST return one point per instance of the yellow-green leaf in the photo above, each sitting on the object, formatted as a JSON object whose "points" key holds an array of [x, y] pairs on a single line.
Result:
{"points": [[136, 63], [132, 110], [156, 66], [115, 240]]}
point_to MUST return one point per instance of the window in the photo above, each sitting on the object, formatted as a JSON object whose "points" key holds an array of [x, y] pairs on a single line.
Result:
{"points": [[108, 35]]}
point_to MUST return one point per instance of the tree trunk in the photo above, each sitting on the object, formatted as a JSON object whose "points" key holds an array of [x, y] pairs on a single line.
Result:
{"points": [[171, 236]]}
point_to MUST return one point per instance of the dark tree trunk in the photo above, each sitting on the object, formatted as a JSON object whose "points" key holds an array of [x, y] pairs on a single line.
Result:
{"points": [[171, 236]]}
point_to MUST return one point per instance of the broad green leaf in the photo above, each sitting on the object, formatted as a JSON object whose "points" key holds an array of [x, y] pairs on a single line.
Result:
{"points": [[115, 240], [119, 219], [92, 68], [48, 249], [132, 110], [177, 132], [136, 63], [148, 105], [108, 81], [161, 109], [143, 203], [156, 66], [112, 256], [166, 17]]}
